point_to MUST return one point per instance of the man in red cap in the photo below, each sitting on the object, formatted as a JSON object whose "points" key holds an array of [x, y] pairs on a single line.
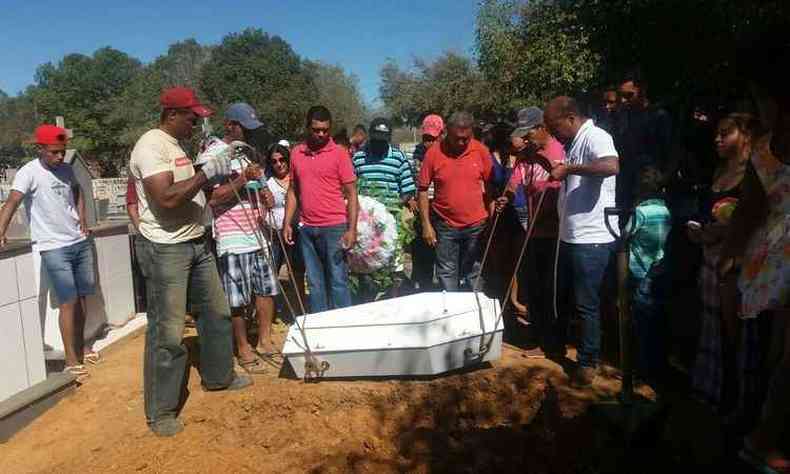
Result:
{"points": [[423, 255], [56, 216], [178, 265]]}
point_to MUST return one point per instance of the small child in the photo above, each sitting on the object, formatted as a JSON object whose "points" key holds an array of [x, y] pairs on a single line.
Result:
{"points": [[649, 227]]}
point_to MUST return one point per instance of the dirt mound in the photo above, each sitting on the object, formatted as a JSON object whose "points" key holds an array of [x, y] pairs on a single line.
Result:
{"points": [[515, 416]]}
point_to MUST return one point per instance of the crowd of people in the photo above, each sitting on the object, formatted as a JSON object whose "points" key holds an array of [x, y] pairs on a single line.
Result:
{"points": [[215, 232]]}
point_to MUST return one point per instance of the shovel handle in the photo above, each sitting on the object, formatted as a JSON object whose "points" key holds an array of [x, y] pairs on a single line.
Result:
{"points": [[608, 212]]}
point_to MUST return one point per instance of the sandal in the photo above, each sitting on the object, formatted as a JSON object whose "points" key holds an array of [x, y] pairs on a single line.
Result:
{"points": [[92, 357], [269, 355], [254, 366], [78, 371]]}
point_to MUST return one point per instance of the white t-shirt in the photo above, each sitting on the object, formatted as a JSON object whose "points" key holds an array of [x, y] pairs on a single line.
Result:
{"points": [[583, 198], [278, 211], [157, 152], [51, 204]]}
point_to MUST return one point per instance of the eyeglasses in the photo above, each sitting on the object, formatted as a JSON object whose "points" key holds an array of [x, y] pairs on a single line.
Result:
{"points": [[627, 95]]}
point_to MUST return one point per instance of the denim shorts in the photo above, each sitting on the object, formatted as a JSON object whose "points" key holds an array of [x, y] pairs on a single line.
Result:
{"points": [[70, 271]]}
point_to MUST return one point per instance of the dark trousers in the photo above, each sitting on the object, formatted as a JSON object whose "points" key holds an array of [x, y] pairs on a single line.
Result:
{"points": [[538, 273], [582, 273], [177, 277], [648, 302], [423, 261], [458, 254]]}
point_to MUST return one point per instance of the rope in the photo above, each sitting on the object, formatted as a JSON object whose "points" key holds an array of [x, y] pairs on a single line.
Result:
{"points": [[485, 347], [313, 367], [518, 265]]}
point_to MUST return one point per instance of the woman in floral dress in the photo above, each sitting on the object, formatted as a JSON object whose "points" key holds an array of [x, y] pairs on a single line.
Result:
{"points": [[761, 241]]}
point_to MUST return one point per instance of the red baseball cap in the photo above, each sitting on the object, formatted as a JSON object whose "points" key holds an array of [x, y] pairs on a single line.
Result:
{"points": [[432, 125], [183, 98], [50, 135]]}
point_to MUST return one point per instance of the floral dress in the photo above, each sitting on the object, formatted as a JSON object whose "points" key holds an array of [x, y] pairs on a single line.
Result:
{"points": [[765, 275]]}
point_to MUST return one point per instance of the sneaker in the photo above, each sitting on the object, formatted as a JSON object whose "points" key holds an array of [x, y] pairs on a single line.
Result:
{"points": [[584, 376], [239, 382], [167, 427]]}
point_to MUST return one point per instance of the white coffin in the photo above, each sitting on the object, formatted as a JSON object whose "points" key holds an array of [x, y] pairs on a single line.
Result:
{"points": [[422, 334]]}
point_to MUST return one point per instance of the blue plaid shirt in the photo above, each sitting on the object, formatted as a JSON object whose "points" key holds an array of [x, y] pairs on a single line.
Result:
{"points": [[650, 226]]}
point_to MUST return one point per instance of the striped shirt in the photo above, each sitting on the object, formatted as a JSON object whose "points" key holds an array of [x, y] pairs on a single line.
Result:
{"points": [[388, 178], [649, 226], [235, 226]]}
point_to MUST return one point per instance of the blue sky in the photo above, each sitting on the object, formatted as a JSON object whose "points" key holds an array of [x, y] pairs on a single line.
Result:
{"points": [[358, 35]]}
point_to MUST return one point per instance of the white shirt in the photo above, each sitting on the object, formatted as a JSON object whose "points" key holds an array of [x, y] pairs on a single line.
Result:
{"points": [[278, 211], [51, 204], [583, 198]]}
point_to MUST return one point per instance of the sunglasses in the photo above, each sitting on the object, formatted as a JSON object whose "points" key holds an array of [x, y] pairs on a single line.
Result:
{"points": [[627, 95]]}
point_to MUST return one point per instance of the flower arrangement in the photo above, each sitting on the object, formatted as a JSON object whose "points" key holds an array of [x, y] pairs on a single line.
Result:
{"points": [[377, 238], [723, 208]]}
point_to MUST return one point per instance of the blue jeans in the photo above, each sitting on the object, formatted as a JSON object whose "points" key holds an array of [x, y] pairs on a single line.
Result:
{"points": [[70, 271], [458, 254], [648, 297], [325, 263], [182, 277], [582, 272]]}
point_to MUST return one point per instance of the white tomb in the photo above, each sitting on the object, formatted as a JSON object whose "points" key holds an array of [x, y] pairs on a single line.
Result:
{"points": [[421, 334]]}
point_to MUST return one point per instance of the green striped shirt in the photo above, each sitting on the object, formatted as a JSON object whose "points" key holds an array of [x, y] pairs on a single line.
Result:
{"points": [[387, 178], [649, 226]]}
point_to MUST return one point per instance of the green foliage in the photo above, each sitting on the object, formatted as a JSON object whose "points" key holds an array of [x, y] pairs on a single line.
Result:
{"points": [[682, 47], [339, 92], [450, 83], [265, 72], [109, 99], [137, 107], [16, 127], [82, 88], [533, 51]]}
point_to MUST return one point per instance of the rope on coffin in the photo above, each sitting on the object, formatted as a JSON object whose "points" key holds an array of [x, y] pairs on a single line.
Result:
{"points": [[313, 367]]}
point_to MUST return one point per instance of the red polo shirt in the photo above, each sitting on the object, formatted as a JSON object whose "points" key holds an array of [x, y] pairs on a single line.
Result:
{"points": [[320, 176], [459, 183]]}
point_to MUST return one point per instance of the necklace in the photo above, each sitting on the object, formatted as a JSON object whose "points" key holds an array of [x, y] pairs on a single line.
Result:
{"points": [[283, 182]]}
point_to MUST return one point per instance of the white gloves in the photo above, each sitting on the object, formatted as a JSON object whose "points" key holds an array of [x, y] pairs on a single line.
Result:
{"points": [[215, 161], [217, 166]]}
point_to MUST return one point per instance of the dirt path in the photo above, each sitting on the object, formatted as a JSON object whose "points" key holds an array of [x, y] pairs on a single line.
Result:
{"points": [[516, 414]]}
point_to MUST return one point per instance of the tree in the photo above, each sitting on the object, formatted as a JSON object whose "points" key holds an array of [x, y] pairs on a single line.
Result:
{"points": [[532, 51], [450, 83], [683, 48], [83, 88], [339, 92], [265, 72], [17, 122], [137, 108]]}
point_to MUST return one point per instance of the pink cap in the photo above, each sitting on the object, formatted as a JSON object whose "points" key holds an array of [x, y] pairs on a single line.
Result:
{"points": [[432, 125]]}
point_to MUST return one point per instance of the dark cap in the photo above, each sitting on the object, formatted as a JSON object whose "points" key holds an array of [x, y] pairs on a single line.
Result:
{"points": [[380, 129], [243, 113], [528, 118]]}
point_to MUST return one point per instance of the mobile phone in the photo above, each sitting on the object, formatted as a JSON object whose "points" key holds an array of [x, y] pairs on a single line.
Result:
{"points": [[694, 225]]}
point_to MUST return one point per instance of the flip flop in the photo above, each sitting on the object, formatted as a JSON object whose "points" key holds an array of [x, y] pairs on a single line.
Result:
{"points": [[269, 355], [78, 371], [254, 366], [92, 357]]}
